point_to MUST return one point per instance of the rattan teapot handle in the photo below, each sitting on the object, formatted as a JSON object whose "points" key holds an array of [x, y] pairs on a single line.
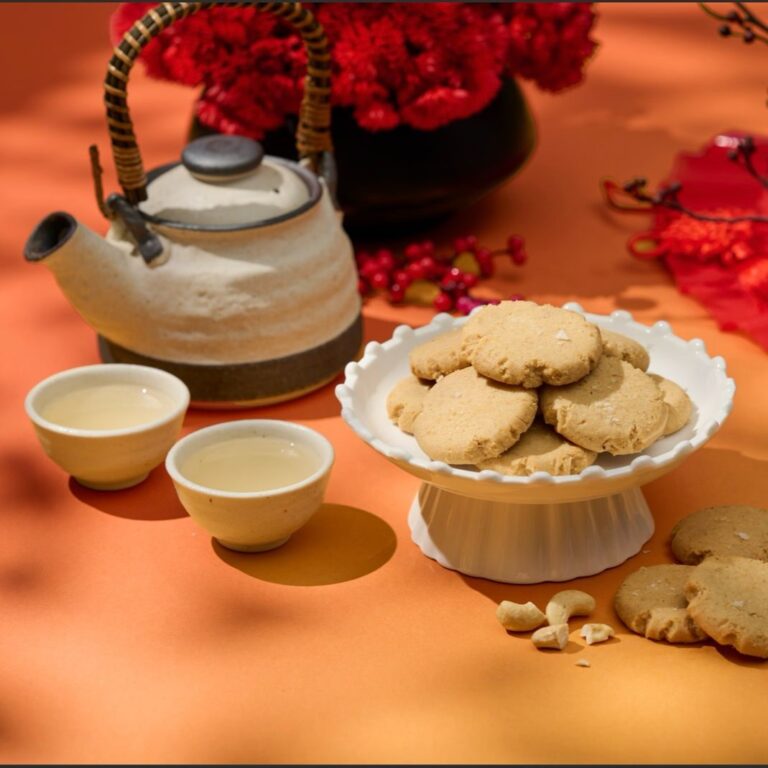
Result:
{"points": [[313, 137]]}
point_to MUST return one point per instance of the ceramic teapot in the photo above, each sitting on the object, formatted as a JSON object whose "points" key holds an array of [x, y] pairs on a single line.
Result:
{"points": [[230, 269]]}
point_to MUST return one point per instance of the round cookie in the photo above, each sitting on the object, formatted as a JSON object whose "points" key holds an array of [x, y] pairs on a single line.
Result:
{"points": [[652, 602], [467, 418], [728, 599], [721, 531], [616, 408], [405, 400], [438, 357], [527, 344], [626, 349], [541, 449], [679, 405]]}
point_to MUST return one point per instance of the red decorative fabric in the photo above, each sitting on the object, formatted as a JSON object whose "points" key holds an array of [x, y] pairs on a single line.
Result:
{"points": [[417, 64], [724, 266]]}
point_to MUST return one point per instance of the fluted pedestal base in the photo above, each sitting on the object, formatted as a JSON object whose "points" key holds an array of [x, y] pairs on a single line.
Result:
{"points": [[529, 543]]}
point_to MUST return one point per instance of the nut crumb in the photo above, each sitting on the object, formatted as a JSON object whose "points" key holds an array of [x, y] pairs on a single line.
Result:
{"points": [[646, 551], [561, 335], [583, 663], [742, 535], [738, 603]]}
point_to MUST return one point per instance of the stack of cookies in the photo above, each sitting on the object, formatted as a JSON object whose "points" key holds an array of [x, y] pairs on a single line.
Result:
{"points": [[719, 591], [523, 387]]}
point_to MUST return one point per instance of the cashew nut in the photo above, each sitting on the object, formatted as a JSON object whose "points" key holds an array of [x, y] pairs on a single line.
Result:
{"points": [[570, 602], [519, 617], [597, 633], [553, 636]]}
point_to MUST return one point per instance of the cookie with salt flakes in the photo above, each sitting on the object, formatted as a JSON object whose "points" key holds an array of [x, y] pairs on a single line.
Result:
{"points": [[616, 408], [728, 599], [467, 418], [526, 344], [652, 602]]}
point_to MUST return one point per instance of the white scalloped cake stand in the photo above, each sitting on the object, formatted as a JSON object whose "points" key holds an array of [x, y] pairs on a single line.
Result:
{"points": [[525, 530]]}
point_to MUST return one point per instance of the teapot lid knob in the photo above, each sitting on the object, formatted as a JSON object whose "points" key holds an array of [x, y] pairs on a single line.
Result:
{"points": [[221, 158]]}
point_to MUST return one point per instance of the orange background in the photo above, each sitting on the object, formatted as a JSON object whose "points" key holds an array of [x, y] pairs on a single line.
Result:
{"points": [[127, 637]]}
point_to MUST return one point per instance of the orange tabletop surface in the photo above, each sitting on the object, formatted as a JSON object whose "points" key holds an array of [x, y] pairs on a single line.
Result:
{"points": [[128, 637]]}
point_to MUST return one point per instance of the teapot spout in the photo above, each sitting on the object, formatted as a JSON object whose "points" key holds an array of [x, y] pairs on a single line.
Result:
{"points": [[50, 235], [90, 270]]}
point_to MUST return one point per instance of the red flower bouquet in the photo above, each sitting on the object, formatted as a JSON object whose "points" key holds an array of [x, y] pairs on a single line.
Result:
{"points": [[422, 65]]}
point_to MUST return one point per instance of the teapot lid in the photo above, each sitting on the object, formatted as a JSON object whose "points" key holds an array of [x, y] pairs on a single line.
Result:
{"points": [[226, 183]]}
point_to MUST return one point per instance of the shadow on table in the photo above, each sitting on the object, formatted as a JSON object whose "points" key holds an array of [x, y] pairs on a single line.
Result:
{"points": [[338, 544], [154, 499]]}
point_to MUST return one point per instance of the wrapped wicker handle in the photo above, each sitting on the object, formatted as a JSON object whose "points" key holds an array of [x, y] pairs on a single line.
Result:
{"points": [[313, 136]]}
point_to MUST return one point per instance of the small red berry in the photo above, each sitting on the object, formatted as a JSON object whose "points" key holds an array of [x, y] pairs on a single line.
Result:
{"points": [[443, 302], [369, 269], [460, 244], [362, 286], [515, 243], [519, 258], [469, 279], [402, 277], [485, 263], [427, 248], [471, 242], [396, 293], [428, 264], [385, 260], [380, 280], [415, 271], [413, 251], [362, 256]]}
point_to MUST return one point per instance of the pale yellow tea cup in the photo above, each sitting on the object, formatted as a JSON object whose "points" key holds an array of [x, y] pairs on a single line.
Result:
{"points": [[251, 483], [108, 425]]}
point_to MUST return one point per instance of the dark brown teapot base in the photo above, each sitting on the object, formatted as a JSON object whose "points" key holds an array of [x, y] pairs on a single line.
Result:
{"points": [[244, 385]]}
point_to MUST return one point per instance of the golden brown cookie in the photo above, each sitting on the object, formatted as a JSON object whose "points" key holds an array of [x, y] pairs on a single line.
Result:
{"points": [[405, 400], [728, 599], [527, 344], [652, 602], [629, 350], [541, 449], [438, 357], [467, 418], [722, 531], [678, 403], [616, 408]]}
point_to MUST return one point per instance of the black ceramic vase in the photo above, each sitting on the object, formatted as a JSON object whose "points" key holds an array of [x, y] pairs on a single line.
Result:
{"points": [[404, 179]]}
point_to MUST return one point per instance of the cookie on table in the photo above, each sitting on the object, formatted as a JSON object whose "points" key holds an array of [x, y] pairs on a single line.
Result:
{"points": [[405, 400], [438, 357], [652, 602], [526, 344], [722, 531], [616, 408], [728, 599], [626, 349], [466, 418], [541, 449], [679, 405]]}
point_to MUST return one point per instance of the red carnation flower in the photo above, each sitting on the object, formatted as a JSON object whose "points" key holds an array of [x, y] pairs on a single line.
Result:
{"points": [[417, 64]]}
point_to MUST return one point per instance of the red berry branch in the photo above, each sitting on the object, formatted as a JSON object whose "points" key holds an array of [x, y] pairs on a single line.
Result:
{"points": [[422, 276], [741, 22], [667, 196]]}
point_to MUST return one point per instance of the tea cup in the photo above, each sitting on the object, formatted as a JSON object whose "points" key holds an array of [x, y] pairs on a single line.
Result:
{"points": [[251, 483], [108, 425]]}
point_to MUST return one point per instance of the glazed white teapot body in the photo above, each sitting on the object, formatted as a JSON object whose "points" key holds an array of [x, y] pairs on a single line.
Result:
{"points": [[230, 269]]}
